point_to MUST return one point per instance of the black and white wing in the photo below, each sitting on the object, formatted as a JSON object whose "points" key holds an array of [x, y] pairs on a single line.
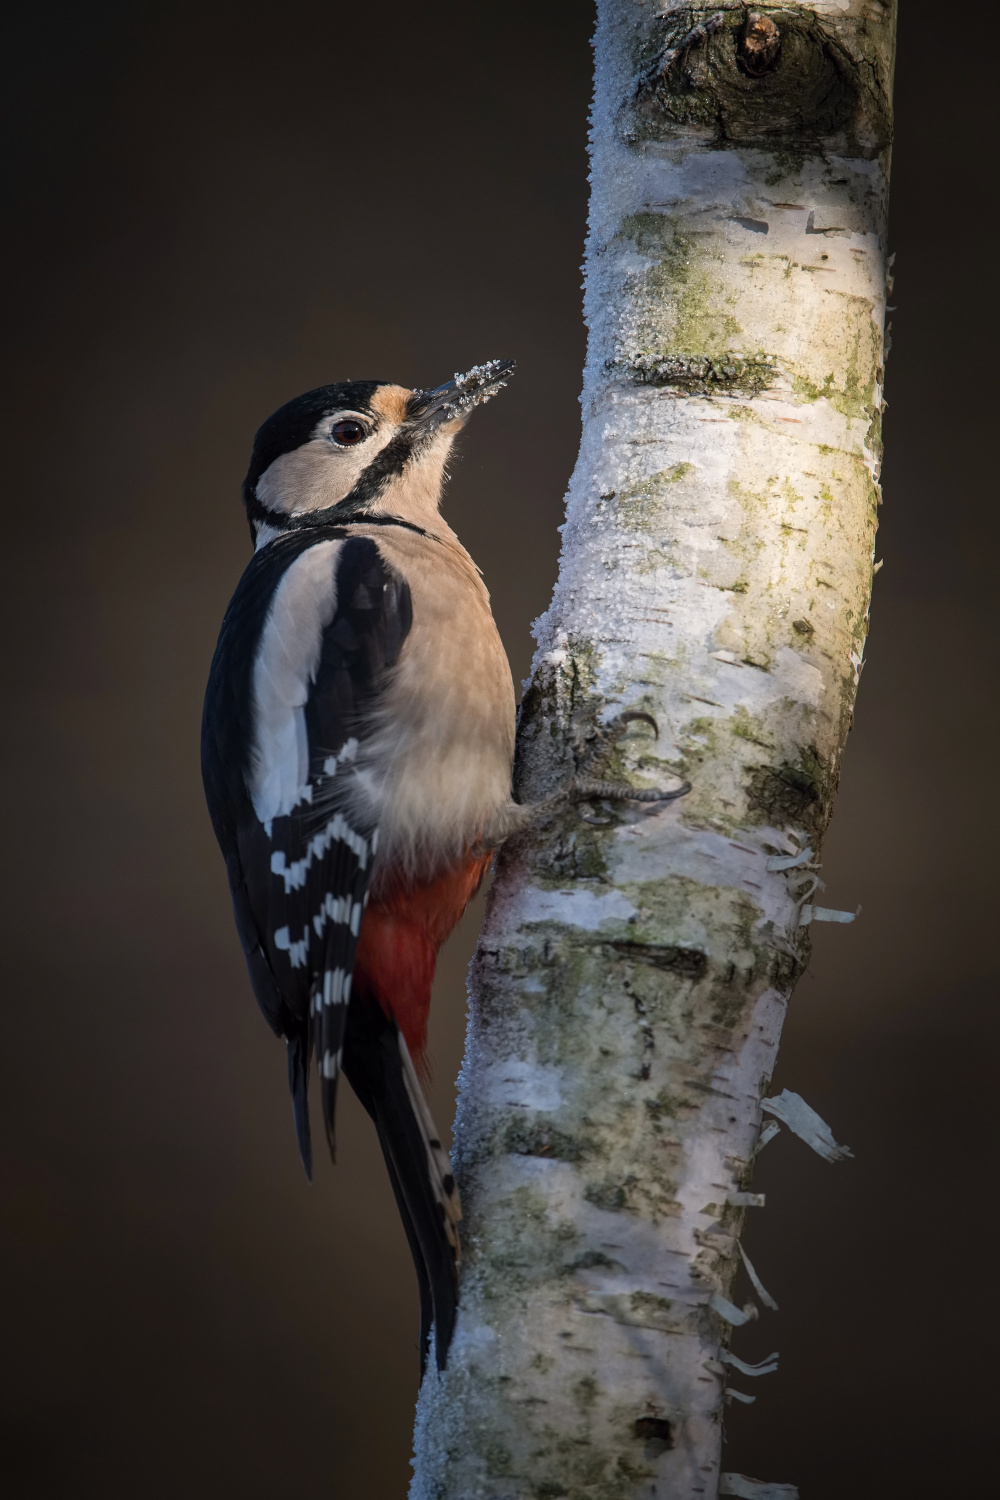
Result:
{"points": [[315, 625]]}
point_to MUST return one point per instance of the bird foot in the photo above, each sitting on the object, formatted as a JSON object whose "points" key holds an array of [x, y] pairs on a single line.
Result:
{"points": [[593, 744]]}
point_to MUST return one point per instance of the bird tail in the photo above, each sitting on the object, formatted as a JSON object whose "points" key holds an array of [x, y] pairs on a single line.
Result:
{"points": [[378, 1066], [299, 1048]]}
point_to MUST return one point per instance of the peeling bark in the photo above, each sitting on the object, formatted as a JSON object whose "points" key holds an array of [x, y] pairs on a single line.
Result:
{"points": [[636, 963]]}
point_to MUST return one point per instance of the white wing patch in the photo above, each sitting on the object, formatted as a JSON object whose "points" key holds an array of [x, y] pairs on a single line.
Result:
{"points": [[288, 655]]}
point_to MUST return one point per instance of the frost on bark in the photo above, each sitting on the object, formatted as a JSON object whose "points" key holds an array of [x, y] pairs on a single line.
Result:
{"points": [[634, 970]]}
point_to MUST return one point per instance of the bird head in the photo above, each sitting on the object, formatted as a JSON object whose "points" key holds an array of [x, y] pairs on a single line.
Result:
{"points": [[360, 448]]}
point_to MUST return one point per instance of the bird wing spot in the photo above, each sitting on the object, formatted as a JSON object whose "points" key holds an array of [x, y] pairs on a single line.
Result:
{"points": [[348, 751], [297, 951], [337, 830], [336, 987], [340, 910]]}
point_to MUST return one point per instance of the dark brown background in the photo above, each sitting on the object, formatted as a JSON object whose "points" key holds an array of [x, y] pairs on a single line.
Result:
{"points": [[211, 207]]}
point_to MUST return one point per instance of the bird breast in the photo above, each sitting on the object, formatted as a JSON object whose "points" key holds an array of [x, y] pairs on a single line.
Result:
{"points": [[438, 756]]}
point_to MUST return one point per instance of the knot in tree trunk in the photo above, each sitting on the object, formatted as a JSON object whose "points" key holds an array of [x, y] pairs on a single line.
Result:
{"points": [[759, 45]]}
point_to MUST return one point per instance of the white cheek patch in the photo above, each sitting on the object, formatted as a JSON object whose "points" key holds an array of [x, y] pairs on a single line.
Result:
{"points": [[318, 474], [287, 660]]}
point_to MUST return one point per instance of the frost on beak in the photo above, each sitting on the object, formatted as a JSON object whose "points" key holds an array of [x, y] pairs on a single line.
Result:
{"points": [[457, 398]]}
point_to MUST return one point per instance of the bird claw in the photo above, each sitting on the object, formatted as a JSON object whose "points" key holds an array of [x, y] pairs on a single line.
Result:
{"points": [[593, 745], [620, 791]]}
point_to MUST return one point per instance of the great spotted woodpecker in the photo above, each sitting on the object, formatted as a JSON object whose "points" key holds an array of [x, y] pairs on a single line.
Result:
{"points": [[357, 743]]}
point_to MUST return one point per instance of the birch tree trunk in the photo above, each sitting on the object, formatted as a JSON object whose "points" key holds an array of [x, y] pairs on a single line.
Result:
{"points": [[636, 963]]}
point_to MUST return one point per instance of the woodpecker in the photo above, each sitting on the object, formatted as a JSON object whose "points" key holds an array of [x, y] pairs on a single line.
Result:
{"points": [[357, 745]]}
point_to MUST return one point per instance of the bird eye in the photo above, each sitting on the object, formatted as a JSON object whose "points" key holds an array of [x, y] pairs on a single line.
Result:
{"points": [[348, 432]]}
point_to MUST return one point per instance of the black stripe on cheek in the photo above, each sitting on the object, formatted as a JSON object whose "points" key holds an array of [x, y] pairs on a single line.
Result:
{"points": [[385, 466]]}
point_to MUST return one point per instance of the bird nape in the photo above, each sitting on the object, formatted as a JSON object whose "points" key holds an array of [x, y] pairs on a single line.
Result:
{"points": [[357, 745]]}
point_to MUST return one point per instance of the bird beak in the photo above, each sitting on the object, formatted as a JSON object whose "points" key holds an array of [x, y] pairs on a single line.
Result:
{"points": [[453, 402]]}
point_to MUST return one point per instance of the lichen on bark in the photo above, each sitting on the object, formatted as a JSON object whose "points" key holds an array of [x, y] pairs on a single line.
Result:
{"points": [[636, 963]]}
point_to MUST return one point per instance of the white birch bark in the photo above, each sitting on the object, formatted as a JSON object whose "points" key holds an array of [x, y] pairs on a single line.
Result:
{"points": [[633, 973]]}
